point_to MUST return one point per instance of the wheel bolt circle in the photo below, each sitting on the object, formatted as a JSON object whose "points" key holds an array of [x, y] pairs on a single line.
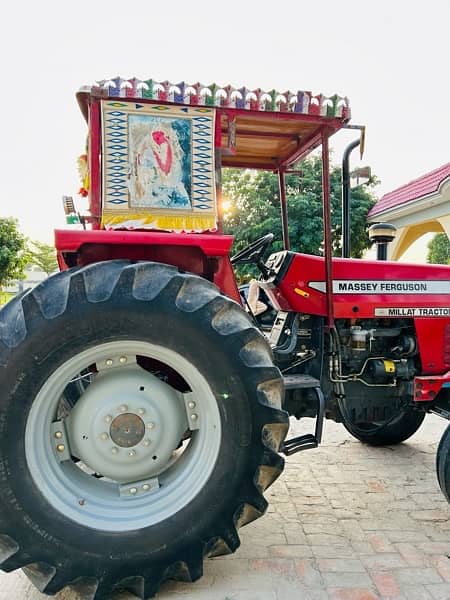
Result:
{"points": [[130, 423]]}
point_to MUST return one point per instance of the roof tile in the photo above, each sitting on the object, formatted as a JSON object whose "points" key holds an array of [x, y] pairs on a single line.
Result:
{"points": [[417, 188]]}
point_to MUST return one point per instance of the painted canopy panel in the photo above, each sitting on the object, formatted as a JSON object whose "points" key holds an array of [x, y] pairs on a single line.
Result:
{"points": [[257, 128], [158, 167]]}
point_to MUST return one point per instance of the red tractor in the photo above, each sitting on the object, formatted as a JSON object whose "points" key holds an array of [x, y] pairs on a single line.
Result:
{"points": [[142, 409]]}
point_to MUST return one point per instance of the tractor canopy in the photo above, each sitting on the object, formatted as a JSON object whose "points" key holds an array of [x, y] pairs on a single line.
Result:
{"points": [[162, 146]]}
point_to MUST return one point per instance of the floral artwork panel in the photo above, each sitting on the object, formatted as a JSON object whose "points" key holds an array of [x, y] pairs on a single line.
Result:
{"points": [[158, 167], [159, 162]]}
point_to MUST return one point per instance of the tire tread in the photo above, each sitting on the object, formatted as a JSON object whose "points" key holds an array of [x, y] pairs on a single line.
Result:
{"points": [[145, 282]]}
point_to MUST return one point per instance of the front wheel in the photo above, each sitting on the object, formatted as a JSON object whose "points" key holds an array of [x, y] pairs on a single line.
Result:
{"points": [[140, 420], [383, 431], [443, 463]]}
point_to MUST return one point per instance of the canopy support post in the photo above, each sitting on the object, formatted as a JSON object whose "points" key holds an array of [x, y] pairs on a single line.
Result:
{"points": [[283, 207], [327, 228]]}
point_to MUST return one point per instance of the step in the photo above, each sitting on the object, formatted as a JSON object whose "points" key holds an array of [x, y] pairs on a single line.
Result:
{"points": [[305, 442], [301, 442], [295, 382]]}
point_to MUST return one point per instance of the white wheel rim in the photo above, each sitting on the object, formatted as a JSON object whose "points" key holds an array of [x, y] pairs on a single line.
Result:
{"points": [[104, 504]]}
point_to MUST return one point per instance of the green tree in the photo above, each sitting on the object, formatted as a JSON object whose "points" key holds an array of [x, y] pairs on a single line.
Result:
{"points": [[13, 256], [255, 202], [439, 249], [43, 256]]}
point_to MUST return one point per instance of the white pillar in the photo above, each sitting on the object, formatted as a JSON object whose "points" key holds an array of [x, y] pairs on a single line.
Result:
{"points": [[445, 224]]}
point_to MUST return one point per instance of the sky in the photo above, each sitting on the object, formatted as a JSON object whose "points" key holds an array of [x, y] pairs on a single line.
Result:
{"points": [[390, 58]]}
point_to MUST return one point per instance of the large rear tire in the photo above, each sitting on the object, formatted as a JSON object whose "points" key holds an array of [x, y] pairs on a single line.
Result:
{"points": [[140, 420]]}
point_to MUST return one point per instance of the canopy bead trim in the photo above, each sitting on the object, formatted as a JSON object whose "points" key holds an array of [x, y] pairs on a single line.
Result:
{"points": [[198, 94]]}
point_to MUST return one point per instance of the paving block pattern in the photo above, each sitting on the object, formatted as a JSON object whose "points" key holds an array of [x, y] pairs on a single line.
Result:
{"points": [[345, 522]]}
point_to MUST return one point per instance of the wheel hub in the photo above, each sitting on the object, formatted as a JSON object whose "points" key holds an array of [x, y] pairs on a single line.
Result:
{"points": [[126, 441], [127, 430]]}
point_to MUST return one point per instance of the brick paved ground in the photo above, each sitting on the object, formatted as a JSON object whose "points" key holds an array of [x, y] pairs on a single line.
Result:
{"points": [[346, 522]]}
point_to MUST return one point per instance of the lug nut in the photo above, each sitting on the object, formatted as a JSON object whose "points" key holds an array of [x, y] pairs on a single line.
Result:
{"points": [[109, 362], [104, 436], [141, 411], [191, 404], [123, 408], [60, 447], [58, 435], [145, 487], [150, 425], [147, 442], [108, 418], [133, 491], [194, 417], [114, 450], [123, 360]]}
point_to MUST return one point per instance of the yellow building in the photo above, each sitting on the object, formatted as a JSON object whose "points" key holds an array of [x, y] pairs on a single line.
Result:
{"points": [[417, 208]]}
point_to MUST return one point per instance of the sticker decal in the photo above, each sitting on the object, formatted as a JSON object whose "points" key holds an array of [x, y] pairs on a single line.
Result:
{"points": [[383, 286], [435, 311]]}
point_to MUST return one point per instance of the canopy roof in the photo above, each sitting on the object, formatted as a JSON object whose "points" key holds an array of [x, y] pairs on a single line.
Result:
{"points": [[258, 129]]}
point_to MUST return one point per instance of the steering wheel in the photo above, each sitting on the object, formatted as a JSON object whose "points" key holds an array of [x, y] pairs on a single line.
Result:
{"points": [[254, 251]]}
